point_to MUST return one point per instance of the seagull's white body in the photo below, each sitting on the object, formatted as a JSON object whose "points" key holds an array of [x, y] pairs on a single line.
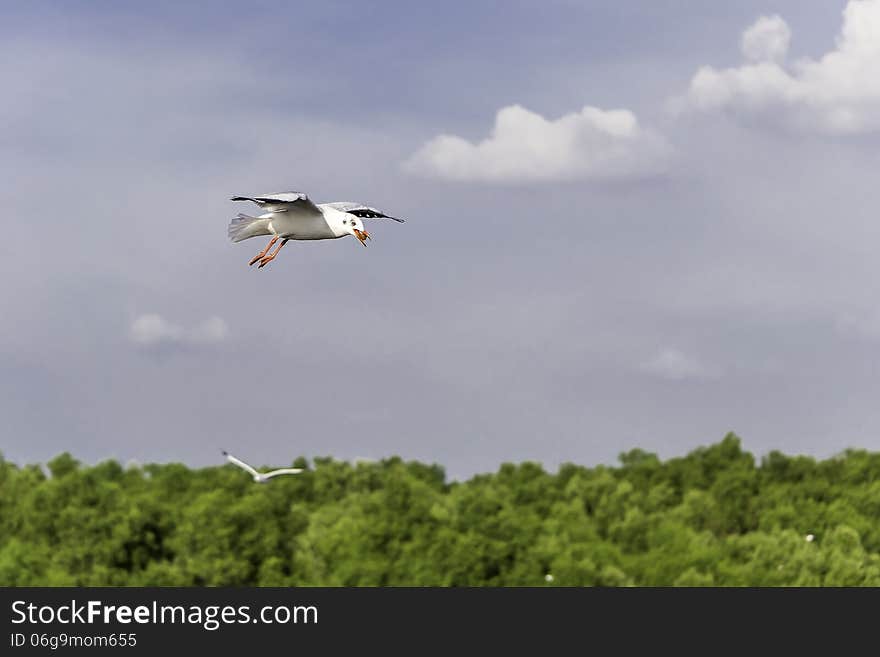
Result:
{"points": [[259, 477], [293, 216]]}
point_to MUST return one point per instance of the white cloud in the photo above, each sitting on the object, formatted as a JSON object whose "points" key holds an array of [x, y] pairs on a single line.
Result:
{"points": [[839, 93], [767, 40], [210, 331], [154, 330], [525, 146], [674, 365]]}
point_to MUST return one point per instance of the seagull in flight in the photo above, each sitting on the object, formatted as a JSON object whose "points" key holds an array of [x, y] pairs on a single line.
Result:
{"points": [[259, 477], [293, 216]]}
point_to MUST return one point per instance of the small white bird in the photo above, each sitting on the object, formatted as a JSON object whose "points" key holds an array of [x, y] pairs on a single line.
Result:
{"points": [[259, 477], [292, 216], [809, 538]]}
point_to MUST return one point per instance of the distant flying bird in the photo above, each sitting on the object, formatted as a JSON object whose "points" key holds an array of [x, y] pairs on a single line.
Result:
{"points": [[292, 216], [259, 477]]}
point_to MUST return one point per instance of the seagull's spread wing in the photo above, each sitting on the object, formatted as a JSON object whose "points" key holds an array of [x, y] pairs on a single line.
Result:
{"points": [[293, 202], [241, 464], [282, 471], [360, 210]]}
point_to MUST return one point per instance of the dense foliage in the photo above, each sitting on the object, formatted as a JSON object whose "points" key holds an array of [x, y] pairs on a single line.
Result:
{"points": [[713, 517]]}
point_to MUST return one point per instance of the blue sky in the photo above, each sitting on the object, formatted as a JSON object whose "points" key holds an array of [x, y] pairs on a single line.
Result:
{"points": [[626, 228]]}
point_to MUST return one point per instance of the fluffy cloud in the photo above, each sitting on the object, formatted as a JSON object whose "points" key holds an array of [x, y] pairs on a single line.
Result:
{"points": [[525, 146], [154, 330], [839, 93], [674, 365], [767, 40]]}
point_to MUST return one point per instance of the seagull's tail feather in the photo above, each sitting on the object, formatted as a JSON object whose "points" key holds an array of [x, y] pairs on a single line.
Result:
{"points": [[244, 226]]}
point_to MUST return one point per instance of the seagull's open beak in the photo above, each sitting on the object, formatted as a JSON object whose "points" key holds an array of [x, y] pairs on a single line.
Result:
{"points": [[362, 235]]}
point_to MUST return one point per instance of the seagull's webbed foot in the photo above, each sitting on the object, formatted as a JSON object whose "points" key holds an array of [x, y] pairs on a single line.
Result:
{"points": [[262, 254], [266, 259]]}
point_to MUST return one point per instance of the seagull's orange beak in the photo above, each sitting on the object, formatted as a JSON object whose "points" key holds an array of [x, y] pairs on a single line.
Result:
{"points": [[362, 235]]}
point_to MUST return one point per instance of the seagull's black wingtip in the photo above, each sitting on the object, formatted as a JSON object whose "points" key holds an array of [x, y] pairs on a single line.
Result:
{"points": [[225, 453]]}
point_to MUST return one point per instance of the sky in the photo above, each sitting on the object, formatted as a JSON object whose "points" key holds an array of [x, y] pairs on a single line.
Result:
{"points": [[629, 224]]}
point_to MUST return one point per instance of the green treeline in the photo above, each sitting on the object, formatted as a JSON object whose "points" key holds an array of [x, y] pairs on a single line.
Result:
{"points": [[713, 517]]}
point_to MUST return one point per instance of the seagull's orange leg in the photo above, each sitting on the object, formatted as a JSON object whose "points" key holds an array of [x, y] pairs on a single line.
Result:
{"points": [[264, 251], [269, 258]]}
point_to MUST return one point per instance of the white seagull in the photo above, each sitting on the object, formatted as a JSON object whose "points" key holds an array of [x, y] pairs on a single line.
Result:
{"points": [[259, 477], [292, 216]]}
